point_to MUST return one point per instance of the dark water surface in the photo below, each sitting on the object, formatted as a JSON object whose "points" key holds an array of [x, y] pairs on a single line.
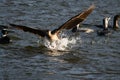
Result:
{"points": [[91, 58]]}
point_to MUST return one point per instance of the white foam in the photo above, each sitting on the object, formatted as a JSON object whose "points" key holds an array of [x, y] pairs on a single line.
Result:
{"points": [[64, 43], [61, 44]]}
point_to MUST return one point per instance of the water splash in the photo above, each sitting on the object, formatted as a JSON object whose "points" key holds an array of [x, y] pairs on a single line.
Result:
{"points": [[65, 43], [61, 44]]}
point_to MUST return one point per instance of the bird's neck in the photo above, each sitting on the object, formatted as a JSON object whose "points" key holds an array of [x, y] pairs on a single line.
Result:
{"points": [[105, 24], [115, 23], [52, 37]]}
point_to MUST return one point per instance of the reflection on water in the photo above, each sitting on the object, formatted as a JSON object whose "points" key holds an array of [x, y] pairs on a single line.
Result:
{"points": [[87, 57]]}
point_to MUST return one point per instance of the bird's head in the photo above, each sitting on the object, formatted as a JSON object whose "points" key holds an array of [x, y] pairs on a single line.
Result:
{"points": [[3, 32]]}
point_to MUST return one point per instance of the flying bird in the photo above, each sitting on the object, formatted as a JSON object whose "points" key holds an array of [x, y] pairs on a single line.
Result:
{"points": [[54, 35]]}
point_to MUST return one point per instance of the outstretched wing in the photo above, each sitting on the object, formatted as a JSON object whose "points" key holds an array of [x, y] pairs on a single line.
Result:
{"points": [[75, 20], [41, 33]]}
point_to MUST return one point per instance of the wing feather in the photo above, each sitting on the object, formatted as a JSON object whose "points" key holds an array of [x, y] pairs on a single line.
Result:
{"points": [[75, 20], [41, 33]]}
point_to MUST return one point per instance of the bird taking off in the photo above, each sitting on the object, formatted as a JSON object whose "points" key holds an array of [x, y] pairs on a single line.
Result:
{"points": [[53, 35]]}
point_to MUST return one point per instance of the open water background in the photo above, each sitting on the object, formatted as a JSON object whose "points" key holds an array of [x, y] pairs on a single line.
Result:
{"points": [[93, 57]]}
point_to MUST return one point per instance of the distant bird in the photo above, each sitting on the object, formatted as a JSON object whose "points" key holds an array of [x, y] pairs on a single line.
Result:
{"points": [[106, 26], [54, 35], [4, 39], [105, 22], [115, 23], [75, 28], [105, 30], [78, 29]]}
